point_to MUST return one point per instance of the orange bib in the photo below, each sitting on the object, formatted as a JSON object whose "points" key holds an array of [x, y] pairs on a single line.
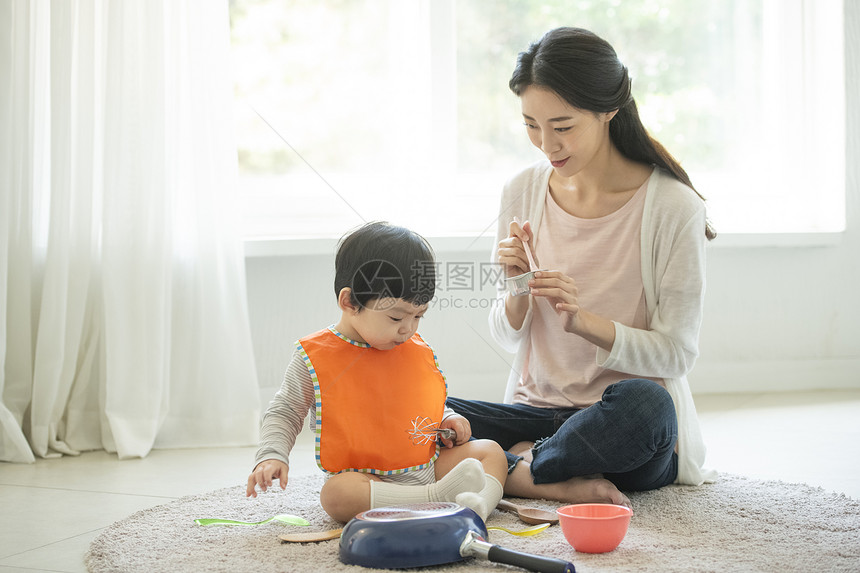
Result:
{"points": [[371, 405]]}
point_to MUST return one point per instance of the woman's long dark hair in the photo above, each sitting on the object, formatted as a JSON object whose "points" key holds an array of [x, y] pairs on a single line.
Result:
{"points": [[584, 70]]}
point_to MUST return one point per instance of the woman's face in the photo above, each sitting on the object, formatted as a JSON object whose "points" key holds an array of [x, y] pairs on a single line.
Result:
{"points": [[569, 137]]}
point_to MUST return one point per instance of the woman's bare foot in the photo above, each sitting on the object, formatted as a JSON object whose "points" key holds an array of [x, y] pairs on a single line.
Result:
{"points": [[574, 490]]}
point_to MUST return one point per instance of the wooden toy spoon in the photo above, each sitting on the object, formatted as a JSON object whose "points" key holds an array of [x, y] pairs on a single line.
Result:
{"points": [[311, 536], [530, 515]]}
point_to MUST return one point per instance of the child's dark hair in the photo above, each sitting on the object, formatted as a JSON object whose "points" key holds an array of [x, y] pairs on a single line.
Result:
{"points": [[379, 260], [584, 70]]}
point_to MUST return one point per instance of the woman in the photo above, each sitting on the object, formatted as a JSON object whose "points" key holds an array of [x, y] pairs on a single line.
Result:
{"points": [[597, 400]]}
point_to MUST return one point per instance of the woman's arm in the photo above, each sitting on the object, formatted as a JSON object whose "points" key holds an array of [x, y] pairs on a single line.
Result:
{"points": [[670, 346], [510, 315], [561, 292]]}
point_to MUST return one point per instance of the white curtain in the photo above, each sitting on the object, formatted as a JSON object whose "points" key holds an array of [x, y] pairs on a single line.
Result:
{"points": [[123, 313]]}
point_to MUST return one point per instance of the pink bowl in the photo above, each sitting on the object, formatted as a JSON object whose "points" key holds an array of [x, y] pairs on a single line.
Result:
{"points": [[594, 527]]}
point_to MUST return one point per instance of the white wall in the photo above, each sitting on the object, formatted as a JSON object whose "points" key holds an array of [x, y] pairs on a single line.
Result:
{"points": [[776, 318]]}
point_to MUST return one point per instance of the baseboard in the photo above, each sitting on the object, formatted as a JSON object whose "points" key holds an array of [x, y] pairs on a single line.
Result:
{"points": [[473, 386], [706, 378], [775, 376], [709, 378]]}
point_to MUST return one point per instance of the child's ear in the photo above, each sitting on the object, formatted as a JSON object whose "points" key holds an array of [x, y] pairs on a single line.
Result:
{"points": [[344, 300]]}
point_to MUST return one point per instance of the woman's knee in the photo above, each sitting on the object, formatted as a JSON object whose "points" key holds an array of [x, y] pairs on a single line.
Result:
{"points": [[646, 405], [647, 393]]}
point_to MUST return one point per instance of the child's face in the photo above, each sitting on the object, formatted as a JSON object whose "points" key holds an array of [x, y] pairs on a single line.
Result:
{"points": [[386, 322]]}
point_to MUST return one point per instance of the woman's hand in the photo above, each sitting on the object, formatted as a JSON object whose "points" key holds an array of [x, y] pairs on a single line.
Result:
{"points": [[461, 426], [512, 250], [264, 475], [561, 292]]}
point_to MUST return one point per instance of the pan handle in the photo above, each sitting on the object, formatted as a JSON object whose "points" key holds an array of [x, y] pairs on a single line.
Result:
{"points": [[474, 546], [528, 561]]}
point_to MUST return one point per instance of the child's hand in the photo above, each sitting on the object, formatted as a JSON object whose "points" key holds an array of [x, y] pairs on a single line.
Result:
{"points": [[461, 426], [264, 474]]}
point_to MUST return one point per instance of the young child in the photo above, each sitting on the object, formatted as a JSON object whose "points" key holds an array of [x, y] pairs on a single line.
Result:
{"points": [[377, 394]]}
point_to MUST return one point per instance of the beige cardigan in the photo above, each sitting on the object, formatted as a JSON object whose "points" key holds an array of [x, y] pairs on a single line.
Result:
{"points": [[673, 274]]}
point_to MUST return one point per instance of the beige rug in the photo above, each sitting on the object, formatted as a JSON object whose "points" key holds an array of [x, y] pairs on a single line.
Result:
{"points": [[737, 524]]}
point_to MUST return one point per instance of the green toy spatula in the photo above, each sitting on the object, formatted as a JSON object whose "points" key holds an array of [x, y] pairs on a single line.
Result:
{"points": [[288, 519]]}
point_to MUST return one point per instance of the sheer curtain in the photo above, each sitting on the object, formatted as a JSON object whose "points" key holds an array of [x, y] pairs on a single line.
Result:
{"points": [[123, 312]]}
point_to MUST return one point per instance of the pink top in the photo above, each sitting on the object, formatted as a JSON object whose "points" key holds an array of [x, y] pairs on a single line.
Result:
{"points": [[603, 256]]}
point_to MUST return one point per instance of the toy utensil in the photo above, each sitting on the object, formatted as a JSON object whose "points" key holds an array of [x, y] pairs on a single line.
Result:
{"points": [[314, 536], [425, 431], [529, 515], [532, 265], [311, 536], [288, 519], [526, 532], [447, 434]]}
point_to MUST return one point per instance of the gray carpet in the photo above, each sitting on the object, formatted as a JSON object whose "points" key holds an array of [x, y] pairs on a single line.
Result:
{"points": [[737, 524]]}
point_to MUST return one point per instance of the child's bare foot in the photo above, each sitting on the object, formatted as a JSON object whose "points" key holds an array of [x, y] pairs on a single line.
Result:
{"points": [[574, 490]]}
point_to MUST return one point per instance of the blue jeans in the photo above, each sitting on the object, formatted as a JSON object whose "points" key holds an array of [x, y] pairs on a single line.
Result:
{"points": [[628, 436]]}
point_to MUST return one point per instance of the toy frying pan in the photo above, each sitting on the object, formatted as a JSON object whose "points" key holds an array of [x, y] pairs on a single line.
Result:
{"points": [[422, 534]]}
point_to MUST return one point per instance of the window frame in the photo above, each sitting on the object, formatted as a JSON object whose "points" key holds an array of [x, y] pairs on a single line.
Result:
{"points": [[820, 100]]}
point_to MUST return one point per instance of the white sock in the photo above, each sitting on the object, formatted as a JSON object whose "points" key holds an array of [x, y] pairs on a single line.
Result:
{"points": [[467, 476], [484, 501]]}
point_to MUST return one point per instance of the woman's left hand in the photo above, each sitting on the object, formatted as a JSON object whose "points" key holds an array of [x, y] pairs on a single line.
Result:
{"points": [[561, 292]]}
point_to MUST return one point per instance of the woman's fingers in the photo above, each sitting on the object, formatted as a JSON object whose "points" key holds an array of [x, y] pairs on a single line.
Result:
{"points": [[565, 307], [512, 254], [553, 283], [559, 289]]}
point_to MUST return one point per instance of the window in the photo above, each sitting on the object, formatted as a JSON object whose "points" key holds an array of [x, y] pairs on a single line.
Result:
{"points": [[352, 110]]}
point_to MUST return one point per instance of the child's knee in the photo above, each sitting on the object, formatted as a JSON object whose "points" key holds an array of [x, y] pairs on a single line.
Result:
{"points": [[492, 456], [331, 498], [491, 448], [345, 495]]}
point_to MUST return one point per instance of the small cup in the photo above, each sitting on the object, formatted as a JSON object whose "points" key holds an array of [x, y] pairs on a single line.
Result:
{"points": [[594, 527], [519, 285]]}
